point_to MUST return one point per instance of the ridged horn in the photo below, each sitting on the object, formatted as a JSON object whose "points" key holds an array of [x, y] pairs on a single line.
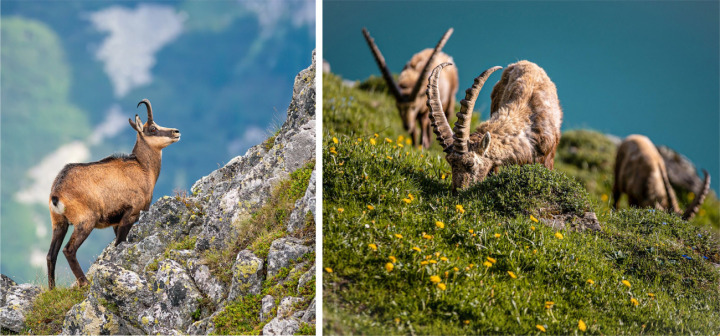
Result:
{"points": [[462, 125], [149, 110], [439, 123], [380, 60], [423, 73], [693, 208]]}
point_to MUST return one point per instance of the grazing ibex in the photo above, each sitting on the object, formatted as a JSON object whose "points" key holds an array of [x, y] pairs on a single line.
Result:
{"points": [[412, 79], [109, 192], [524, 124], [640, 172]]}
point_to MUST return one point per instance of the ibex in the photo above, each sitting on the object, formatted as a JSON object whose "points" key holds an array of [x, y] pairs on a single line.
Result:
{"points": [[640, 172], [109, 192], [524, 124], [412, 78]]}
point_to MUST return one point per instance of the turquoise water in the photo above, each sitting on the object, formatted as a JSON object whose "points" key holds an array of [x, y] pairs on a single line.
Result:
{"points": [[620, 67]]}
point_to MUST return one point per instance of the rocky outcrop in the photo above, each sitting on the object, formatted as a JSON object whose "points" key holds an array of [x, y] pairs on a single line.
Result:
{"points": [[160, 281], [15, 302]]}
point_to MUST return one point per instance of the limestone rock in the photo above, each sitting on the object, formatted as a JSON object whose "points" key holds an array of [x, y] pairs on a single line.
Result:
{"points": [[17, 301], [176, 299], [307, 276], [285, 308], [247, 276], [309, 315], [282, 252], [268, 303], [280, 326], [91, 317]]}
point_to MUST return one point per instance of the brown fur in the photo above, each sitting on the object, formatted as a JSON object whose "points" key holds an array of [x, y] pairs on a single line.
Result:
{"points": [[524, 125], [413, 111], [640, 173], [109, 192]]}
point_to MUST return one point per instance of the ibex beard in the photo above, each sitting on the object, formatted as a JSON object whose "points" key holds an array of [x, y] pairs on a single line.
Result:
{"points": [[109, 192]]}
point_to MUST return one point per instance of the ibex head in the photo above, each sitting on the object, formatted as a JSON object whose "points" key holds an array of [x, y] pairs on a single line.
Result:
{"points": [[409, 101], [154, 135], [466, 153]]}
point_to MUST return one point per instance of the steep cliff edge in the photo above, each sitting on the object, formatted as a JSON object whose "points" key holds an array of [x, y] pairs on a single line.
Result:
{"points": [[236, 256]]}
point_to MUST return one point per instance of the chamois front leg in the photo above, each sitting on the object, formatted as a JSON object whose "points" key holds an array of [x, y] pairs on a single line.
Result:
{"points": [[60, 227], [126, 223], [81, 232]]}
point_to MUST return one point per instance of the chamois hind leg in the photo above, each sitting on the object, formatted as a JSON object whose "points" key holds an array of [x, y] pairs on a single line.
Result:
{"points": [[60, 227], [126, 223], [81, 232]]}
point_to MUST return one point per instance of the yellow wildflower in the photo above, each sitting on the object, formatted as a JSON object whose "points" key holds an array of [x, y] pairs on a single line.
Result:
{"points": [[442, 177], [411, 197], [626, 283], [407, 200], [471, 231], [423, 263], [416, 248], [582, 326], [590, 281], [466, 321], [456, 269], [398, 236], [549, 304], [332, 150], [651, 295], [392, 259], [604, 197], [389, 267], [400, 145], [373, 142], [427, 236], [328, 269], [512, 275], [370, 207], [558, 235], [534, 251], [460, 208], [440, 224], [634, 302], [441, 286], [532, 227], [397, 320], [408, 141], [532, 218], [388, 140], [540, 327], [497, 235], [359, 139], [443, 258], [432, 261], [435, 279], [691, 196], [388, 157], [492, 260], [471, 265], [373, 247], [437, 254], [340, 209], [335, 140], [487, 264]]}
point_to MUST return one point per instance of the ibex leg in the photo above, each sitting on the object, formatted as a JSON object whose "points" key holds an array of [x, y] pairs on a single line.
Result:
{"points": [[81, 232], [60, 227]]}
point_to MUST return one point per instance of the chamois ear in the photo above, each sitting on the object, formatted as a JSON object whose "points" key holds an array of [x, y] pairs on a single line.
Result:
{"points": [[485, 143], [137, 125]]}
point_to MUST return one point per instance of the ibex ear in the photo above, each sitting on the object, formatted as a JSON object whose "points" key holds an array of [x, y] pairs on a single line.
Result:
{"points": [[137, 125], [485, 143]]}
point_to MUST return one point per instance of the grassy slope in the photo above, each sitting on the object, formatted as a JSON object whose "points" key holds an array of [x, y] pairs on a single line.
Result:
{"points": [[367, 200]]}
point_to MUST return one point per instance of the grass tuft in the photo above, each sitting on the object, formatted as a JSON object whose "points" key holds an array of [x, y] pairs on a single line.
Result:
{"points": [[47, 314]]}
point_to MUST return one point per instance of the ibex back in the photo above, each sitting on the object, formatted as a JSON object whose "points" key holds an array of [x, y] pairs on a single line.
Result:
{"points": [[109, 192], [640, 172], [412, 79], [524, 124]]}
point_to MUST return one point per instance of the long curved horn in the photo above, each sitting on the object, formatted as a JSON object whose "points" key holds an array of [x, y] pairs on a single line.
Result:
{"points": [[439, 123], [423, 73], [462, 125], [693, 208], [380, 60], [149, 109]]}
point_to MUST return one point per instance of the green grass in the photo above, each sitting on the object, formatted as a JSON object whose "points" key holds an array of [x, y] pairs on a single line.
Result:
{"points": [[382, 203], [47, 314]]}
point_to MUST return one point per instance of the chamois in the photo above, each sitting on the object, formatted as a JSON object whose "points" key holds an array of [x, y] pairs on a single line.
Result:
{"points": [[413, 77], [640, 172], [109, 192], [524, 124]]}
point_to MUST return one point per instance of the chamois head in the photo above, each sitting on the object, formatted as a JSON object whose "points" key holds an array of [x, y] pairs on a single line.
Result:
{"points": [[466, 152], [154, 135], [410, 103]]}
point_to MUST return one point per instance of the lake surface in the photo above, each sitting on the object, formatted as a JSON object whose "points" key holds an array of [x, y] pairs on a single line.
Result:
{"points": [[623, 68]]}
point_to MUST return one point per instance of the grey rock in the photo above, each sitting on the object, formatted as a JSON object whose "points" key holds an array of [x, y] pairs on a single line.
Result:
{"points": [[681, 171], [285, 308], [282, 252], [208, 284], [303, 206], [176, 299], [90, 317], [120, 287], [307, 276], [205, 326], [571, 222], [247, 275], [280, 326], [5, 284], [309, 315], [18, 300], [268, 303]]}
